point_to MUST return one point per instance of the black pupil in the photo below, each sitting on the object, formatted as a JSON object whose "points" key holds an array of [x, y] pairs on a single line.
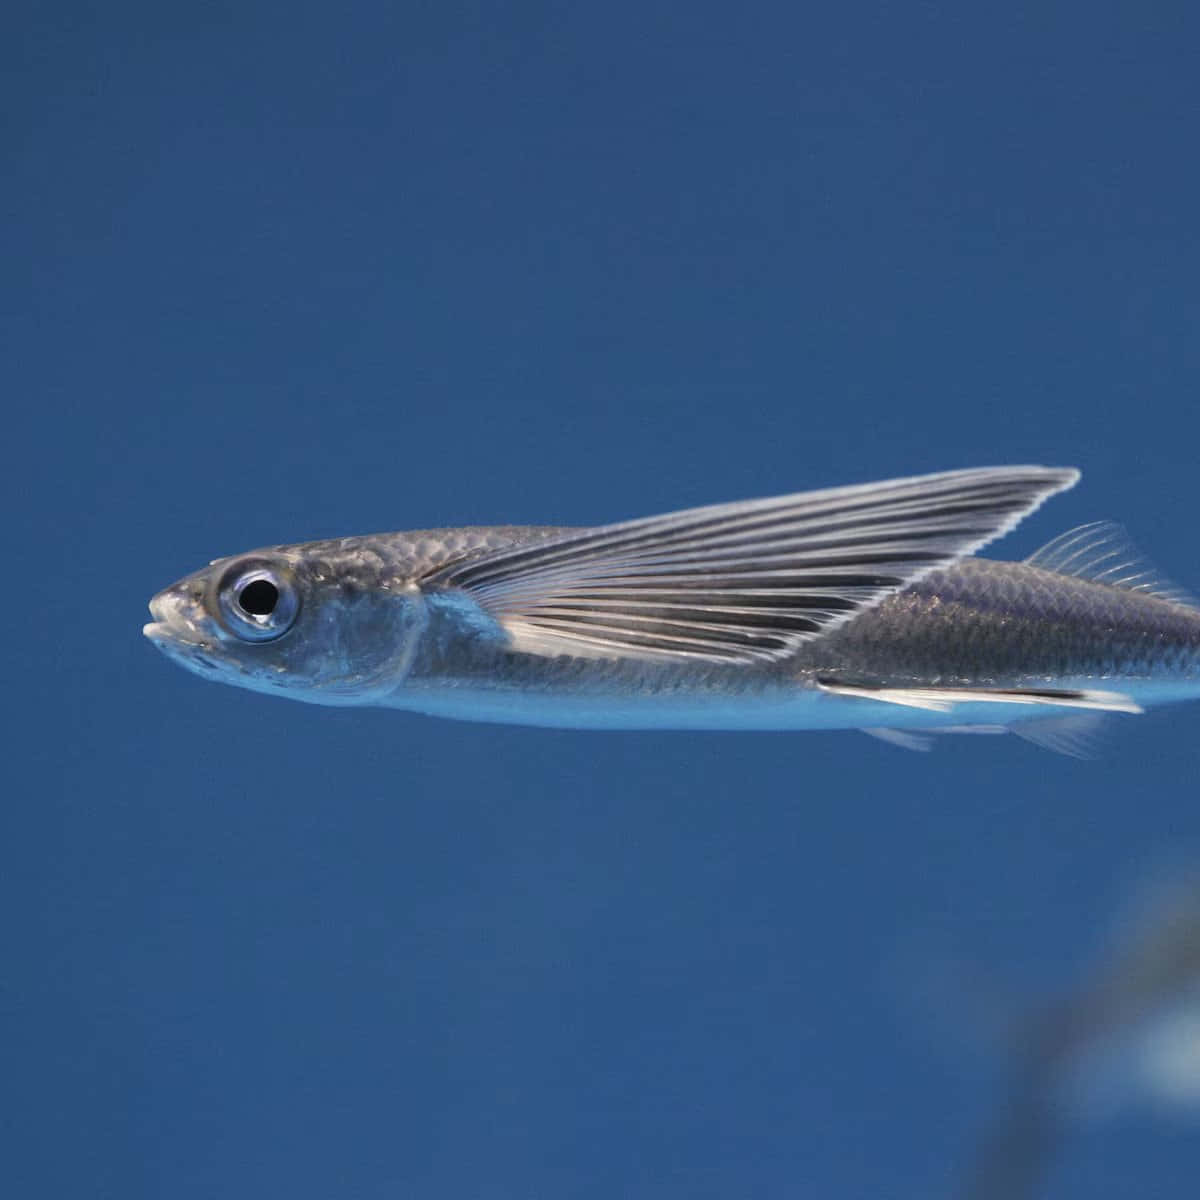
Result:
{"points": [[258, 598]]}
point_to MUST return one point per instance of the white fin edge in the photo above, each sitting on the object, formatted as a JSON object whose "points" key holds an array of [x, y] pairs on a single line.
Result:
{"points": [[943, 700]]}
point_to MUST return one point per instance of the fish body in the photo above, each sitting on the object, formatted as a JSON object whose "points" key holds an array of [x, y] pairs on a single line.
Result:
{"points": [[977, 623], [860, 607]]}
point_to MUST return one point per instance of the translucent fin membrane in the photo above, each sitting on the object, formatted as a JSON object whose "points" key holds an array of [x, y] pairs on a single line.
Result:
{"points": [[1103, 553]]}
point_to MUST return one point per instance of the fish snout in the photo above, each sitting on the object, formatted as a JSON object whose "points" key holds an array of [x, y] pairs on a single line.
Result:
{"points": [[178, 617]]}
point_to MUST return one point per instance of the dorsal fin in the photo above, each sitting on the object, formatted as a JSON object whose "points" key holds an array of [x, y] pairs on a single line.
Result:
{"points": [[1102, 552]]}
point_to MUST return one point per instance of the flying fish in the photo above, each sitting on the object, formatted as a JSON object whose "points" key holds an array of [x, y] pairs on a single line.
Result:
{"points": [[861, 607]]}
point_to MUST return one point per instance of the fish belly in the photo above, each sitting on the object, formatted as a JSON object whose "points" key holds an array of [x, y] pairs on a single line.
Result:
{"points": [[796, 708]]}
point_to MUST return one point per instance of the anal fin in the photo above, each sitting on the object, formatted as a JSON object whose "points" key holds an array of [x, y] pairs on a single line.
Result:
{"points": [[1075, 735]]}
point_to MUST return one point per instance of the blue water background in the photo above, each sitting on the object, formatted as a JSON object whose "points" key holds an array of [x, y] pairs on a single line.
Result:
{"points": [[280, 272]]}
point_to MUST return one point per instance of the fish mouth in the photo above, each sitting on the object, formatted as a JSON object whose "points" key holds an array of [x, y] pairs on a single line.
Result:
{"points": [[187, 651], [165, 635], [177, 625]]}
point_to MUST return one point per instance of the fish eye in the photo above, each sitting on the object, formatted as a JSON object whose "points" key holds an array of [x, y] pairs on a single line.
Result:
{"points": [[258, 600]]}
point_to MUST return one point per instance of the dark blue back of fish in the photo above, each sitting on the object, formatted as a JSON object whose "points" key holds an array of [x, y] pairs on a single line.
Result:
{"points": [[996, 622]]}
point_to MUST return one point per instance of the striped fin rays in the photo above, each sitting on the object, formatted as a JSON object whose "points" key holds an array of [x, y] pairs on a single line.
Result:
{"points": [[745, 582]]}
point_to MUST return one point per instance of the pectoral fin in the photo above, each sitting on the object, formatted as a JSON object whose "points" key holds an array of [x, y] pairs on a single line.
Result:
{"points": [[744, 582]]}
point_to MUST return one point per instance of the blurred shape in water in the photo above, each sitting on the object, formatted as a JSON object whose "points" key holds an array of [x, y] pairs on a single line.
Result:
{"points": [[1128, 1036]]}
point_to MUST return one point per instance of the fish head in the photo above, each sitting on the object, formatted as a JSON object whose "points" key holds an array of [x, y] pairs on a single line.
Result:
{"points": [[325, 628]]}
